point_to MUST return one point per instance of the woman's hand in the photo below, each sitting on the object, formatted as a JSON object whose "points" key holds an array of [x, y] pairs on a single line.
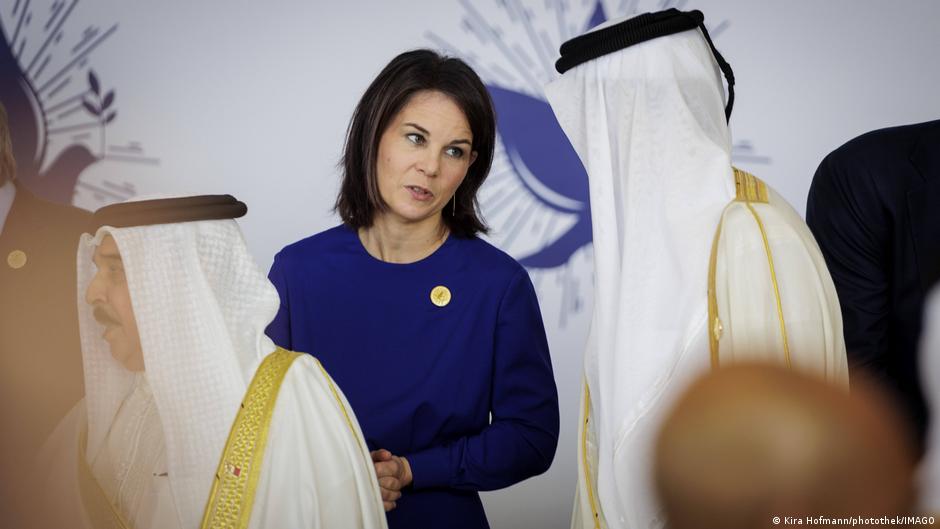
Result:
{"points": [[393, 473]]}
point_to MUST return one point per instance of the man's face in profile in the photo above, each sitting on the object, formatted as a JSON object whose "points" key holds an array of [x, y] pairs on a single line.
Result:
{"points": [[111, 299]]}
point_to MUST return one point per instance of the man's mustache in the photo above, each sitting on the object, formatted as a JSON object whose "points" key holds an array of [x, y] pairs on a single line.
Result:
{"points": [[102, 317]]}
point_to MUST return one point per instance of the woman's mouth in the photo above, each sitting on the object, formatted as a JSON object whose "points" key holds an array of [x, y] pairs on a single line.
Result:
{"points": [[420, 193]]}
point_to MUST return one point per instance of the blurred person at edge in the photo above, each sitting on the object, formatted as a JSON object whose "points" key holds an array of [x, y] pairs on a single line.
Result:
{"points": [[929, 472], [192, 417], [434, 335], [40, 361], [751, 442]]}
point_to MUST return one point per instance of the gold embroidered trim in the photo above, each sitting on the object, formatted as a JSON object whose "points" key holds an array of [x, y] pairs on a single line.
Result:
{"points": [[233, 489], [773, 280], [750, 189], [714, 322], [584, 458]]}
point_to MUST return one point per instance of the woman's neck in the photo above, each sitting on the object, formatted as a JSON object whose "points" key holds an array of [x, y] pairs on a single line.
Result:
{"points": [[397, 242]]}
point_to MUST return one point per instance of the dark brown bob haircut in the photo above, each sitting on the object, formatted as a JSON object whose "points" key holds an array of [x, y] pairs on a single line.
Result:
{"points": [[407, 74]]}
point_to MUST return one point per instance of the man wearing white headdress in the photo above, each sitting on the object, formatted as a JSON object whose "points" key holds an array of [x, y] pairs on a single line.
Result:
{"points": [[696, 263], [192, 417]]}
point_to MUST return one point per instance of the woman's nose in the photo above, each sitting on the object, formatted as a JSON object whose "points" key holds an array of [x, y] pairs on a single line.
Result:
{"points": [[429, 164]]}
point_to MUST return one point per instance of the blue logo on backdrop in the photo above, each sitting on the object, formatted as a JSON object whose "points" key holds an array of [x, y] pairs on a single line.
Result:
{"points": [[554, 210], [59, 109], [548, 167], [546, 164]]}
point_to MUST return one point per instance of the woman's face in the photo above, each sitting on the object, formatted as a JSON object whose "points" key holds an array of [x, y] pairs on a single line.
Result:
{"points": [[423, 157]]}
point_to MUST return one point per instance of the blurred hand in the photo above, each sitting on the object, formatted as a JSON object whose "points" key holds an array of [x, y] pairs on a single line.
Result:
{"points": [[393, 473]]}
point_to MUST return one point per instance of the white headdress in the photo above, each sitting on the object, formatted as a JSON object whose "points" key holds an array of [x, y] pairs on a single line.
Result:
{"points": [[201, 305]]}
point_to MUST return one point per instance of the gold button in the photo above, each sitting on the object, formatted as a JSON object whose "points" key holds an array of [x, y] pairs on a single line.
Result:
{"points": [[17, 259], [440, 295]]}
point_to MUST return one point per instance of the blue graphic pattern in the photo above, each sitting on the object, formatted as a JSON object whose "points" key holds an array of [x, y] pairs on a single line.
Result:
{"points": [[546, 164], [57, 105], [29, 134]]}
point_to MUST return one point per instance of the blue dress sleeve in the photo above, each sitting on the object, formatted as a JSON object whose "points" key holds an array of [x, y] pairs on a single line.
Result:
{"points": [[279, 328], [521, 438]]}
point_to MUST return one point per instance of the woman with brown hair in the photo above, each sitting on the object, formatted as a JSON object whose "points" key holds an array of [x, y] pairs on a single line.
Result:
{"points": [[434, 335]]}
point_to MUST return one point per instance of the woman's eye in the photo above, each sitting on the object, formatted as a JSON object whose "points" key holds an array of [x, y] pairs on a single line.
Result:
{"points": [[415, 138], [455, 152]]}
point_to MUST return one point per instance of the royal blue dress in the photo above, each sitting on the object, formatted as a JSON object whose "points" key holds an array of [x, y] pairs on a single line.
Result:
{"points": [[465, 390]]}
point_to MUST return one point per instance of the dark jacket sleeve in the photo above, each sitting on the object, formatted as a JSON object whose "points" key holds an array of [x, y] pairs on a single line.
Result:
{"points": [[521, 439], [852, 226]]}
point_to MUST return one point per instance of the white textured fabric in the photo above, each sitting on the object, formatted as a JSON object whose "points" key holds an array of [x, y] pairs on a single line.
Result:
{"points": [[62, 487], [930, 379], [649, 126], [131, 465]]}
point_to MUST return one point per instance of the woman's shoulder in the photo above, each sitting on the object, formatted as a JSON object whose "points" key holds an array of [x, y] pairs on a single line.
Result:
{"points": [[481, 253], [324, 242]]}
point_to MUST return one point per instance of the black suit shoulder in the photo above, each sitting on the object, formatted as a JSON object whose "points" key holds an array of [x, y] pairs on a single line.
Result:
{"points": [[874, 168], [872, 211], [877, 152]]}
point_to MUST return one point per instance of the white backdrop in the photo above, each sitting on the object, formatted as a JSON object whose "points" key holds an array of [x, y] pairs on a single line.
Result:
{"points": [[253, 98]]}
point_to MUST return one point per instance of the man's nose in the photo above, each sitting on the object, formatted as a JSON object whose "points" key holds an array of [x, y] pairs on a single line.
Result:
{"points": [[95, 292]]}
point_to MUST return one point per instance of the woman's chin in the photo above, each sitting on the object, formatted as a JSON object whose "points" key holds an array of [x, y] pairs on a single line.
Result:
{"points": [[414, 215]]}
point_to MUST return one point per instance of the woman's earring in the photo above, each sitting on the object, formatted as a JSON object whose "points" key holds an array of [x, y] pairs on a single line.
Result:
{"points": [[454, 209]]}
